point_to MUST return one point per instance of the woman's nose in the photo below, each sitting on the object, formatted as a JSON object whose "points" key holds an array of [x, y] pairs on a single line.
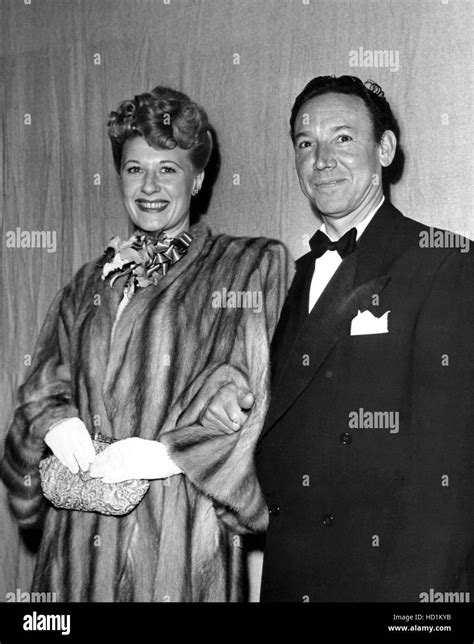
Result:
{"points": [[151, 183]]}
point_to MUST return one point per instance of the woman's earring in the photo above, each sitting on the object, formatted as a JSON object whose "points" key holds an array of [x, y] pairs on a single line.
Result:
{"points": [[195, 191]]}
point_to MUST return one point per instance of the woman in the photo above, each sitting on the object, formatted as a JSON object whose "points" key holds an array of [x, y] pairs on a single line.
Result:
{"points": [[135, 347]]}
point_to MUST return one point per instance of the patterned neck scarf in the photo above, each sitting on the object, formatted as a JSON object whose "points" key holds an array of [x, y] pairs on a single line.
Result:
{"points": [[144, 257]]}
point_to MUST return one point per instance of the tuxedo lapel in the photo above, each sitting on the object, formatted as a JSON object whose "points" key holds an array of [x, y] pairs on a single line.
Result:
{"points": [[357, 280], [293, 314], [376, 244], [337, 306]]}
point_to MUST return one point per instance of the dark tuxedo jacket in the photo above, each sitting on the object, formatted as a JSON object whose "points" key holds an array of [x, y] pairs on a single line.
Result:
{"points": [[358, 510]]}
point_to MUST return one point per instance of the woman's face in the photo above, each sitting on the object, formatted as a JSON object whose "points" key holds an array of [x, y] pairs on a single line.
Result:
{"points": [[157, 186]]}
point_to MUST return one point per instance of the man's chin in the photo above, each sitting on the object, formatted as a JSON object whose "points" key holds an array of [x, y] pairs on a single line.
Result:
{"points": [[329, 210]]}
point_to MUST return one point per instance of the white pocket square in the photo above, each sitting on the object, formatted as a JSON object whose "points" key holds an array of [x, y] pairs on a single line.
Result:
{"points": [[367, 324]]}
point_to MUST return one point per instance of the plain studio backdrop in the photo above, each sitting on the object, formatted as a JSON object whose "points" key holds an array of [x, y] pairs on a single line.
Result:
{"points": [[67, 63]]}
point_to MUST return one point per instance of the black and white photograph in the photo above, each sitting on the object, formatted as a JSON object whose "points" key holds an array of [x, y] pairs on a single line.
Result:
{"points": [[237, 320]]}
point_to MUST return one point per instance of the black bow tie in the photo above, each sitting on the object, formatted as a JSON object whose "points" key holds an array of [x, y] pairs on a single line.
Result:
{"points": [[320, 243]]}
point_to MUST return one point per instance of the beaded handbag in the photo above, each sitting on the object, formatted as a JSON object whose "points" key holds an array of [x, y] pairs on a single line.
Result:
{"points": [[82, 492]]}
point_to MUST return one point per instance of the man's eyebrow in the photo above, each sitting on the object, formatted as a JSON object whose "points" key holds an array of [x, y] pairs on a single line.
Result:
{"points": [[342, 127], [302, 133], [335, 128]]}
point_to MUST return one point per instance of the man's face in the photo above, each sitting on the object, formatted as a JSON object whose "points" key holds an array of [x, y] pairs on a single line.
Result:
{"points": [[337, 158]]}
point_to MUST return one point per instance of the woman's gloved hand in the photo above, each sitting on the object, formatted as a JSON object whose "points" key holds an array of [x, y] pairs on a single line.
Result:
{"points": [[71, 443], [133, 458]]}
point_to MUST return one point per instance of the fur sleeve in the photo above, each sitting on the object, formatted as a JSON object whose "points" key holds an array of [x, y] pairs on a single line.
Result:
{"points": [[222, 465], [44, 398]]}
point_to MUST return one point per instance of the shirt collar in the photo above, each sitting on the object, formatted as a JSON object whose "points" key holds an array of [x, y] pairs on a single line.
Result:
{"points": [[362, 225]]}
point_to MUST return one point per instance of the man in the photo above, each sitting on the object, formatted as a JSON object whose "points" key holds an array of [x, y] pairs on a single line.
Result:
{"points": [[365, 458]]}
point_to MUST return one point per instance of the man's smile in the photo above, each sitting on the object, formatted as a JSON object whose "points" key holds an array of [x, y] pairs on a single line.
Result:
{"points": [[328, 183]]}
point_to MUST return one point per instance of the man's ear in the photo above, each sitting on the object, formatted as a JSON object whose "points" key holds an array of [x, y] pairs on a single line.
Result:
{"points": [[387, 148]]}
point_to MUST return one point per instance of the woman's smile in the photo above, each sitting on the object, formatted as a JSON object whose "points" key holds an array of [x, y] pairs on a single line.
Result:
{"points": [[155, 206]]}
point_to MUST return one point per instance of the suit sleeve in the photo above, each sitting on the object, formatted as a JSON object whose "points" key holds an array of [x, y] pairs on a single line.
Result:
{"points": [[435, 536], [221, 465]]}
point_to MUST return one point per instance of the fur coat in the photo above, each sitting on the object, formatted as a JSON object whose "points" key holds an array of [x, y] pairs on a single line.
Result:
{"points": [[174, 345]]}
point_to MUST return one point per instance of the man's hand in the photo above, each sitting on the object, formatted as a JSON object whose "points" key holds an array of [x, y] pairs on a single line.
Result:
{"points": [[133, 458], [228, 409], [71, 443]]}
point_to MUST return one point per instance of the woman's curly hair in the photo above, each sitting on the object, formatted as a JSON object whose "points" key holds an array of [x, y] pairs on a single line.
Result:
{"points": [[166, 119]]}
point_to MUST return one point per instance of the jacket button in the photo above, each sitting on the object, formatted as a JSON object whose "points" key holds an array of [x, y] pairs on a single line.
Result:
{"points": [[346, 438], [274, 510], [328, 520]]}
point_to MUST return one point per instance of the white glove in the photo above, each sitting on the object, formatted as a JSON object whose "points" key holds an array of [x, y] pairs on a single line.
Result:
{"points": [[71, 443], [133, 458]]}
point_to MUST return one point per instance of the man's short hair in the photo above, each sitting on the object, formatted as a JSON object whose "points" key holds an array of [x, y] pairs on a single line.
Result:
{"points": [[371, 93]]}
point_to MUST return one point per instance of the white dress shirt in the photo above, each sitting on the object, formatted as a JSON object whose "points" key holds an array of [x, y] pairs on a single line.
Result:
{"points": [[326, 265]]}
